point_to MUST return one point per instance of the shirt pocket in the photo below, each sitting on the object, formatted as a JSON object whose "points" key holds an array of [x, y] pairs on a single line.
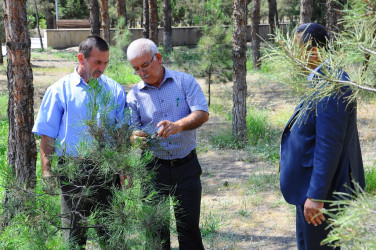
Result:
{"points": [[181, 107]]}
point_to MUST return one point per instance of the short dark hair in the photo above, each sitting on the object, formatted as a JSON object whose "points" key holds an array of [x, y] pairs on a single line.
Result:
{"points": [[89, 43], [313, 33]]}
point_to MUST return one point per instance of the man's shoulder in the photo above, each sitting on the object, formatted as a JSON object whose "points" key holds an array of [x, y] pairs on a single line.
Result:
{"points": [[62, 82], [178, 74], [109, 81]]}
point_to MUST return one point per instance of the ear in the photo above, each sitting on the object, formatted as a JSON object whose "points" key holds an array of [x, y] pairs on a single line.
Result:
{"points": [[314, 54], [159, 58], [81, 58]]}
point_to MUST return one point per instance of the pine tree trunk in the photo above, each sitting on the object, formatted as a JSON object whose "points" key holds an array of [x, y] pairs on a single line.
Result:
{"points": [[50, 20], [255, 24], [37, 15], [167, 32], [305, 11], [122, 10], [333, 15], [95, 25], [22, 152], [273, 15], [239, 109], [105, 21], [153, 21], [145, 17]]}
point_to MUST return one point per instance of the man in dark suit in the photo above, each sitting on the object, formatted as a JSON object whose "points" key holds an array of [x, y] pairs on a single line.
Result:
{"points": [[320, 150]]}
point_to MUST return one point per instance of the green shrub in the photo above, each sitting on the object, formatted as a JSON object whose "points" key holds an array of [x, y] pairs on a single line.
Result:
{"points": [[353, 224], [262, 136], [371, 179]]}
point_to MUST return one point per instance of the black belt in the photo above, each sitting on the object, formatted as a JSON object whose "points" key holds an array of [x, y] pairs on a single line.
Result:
{"points": [[176, 162]]}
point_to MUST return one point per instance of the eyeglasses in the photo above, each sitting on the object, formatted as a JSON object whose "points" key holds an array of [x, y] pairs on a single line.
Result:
{"points": [[144, 67]]}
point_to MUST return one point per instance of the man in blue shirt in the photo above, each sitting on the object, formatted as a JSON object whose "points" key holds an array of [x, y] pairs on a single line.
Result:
{"points": [[320, 150], [172, 105], [61, 125]]}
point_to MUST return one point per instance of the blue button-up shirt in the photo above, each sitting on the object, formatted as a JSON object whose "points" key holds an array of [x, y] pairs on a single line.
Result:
{"points": [[65, 108], [178, 95]]}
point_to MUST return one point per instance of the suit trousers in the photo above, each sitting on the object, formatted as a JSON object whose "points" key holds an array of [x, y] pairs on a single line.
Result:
{"points": [[182, 182], [309, 237], [77, 204]]}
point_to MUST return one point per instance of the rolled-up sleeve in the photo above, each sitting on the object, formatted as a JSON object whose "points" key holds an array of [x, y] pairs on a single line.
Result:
{"points": [[50, 114], [195, 96]]}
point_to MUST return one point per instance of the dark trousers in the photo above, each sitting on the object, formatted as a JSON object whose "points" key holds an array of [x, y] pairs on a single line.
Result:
{"points": [[77, 205], [307, 235], [181, 181]]}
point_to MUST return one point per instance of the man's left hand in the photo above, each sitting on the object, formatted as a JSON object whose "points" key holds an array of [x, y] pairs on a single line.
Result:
{"points": [[313, 212], [167, 128]]}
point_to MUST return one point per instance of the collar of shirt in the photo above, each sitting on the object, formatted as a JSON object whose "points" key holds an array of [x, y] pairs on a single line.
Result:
{"points": [[313, 74]]}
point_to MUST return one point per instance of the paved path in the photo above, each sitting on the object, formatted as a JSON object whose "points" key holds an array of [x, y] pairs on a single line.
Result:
{"points": [[35, 44]]}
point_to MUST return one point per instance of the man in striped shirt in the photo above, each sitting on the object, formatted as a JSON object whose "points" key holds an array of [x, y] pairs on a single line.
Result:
{"points": [[172, 105]]}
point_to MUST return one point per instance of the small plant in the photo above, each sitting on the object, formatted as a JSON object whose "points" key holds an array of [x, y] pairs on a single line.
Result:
{"points": [[263, 181], [134, 214], [370, 175], [209, 225], [352, 221]]}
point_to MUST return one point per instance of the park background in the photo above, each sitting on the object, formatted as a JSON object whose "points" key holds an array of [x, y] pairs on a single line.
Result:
{"points": [[242, 207]]}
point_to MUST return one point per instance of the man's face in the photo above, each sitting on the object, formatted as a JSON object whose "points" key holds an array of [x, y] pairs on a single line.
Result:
{"points": [[307, 53], [94, 65], [149, 68]]}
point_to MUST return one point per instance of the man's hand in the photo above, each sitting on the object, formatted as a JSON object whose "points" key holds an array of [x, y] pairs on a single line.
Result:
{"points": [[167, 128], [139, 136], [46, 150], [313, 212], [48, 180]]}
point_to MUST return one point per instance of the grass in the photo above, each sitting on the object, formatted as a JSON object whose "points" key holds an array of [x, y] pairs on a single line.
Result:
{"points": [[3, 136], [370, 175], [68, 55], [262, 181], [262, 135], [120, 69]]}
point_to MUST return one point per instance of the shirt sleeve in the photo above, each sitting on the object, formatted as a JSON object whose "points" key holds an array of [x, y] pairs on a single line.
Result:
{"points": [[135, 119], [194, 95], [122, 112], [50, 114]]}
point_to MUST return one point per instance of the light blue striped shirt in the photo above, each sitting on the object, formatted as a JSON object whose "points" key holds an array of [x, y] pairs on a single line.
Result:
{"points": [[178, 95], [65, 108]]}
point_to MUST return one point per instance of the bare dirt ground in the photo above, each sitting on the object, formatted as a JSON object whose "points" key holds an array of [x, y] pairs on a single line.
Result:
{"points": [[242, 207]]}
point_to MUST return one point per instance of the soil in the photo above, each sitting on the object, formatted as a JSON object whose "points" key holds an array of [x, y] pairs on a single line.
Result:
{"points": [[242, 207]]}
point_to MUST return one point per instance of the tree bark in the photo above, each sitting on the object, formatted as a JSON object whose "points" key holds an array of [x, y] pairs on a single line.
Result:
{"points": [[95, 25], [167, 32], [122, 10], [273, 15], [255, 24], [105, 21], [22, 152], [333, 14], [305, 11], [37, 16], [145, 17], [1, 50], [153, 21], [239, 50]]}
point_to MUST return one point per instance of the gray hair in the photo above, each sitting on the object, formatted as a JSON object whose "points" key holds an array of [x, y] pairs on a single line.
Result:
{"points": [[141, 47]]}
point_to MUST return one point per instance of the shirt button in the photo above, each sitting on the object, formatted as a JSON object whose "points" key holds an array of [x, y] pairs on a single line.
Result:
{"points": [[161, 100], [165, 115], [169, 142]]}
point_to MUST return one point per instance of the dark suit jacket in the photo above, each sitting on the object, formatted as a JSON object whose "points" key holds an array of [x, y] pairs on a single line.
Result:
{"points": [[321, 154]]}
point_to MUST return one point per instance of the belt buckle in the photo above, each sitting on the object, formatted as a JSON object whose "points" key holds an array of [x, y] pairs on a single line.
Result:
{"points": [[174, 163]]}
